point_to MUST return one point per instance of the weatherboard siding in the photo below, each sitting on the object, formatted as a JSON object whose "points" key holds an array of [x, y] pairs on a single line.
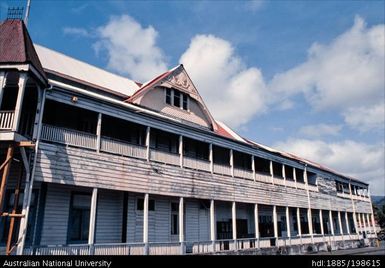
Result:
{"points": [[74, 166], [109, 217]]}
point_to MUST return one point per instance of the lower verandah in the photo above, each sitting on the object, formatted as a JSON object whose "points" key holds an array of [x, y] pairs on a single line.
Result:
{"points": [[63, 224]]}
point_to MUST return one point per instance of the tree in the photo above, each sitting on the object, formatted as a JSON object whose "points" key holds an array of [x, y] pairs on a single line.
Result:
{"points": [[379, 213]]}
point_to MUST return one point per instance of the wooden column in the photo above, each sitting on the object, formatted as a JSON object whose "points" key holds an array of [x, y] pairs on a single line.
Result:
{"points": [[372, 213], [36, 121], [373, 222], [253, 166], [145, 223], [363, 220], [331, 222], [353, 206], [3, 81], [288, 222], [148, 130], [19, 101], [91, 229], [310, 223], [284, 174], [295, 177], [180, 150], [340, 223], [211, 158], [275, 222], [321, 222], [181, 225], [234, 222], [212, 223], [347, 222], [359, 223], [271, 172], [256, 221], [305, 176], [98, 132], [368, 221], [299, 222], [232, 162]]}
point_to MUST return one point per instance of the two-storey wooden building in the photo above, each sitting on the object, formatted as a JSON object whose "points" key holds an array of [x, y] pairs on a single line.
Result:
{"points": [[95, 163]]}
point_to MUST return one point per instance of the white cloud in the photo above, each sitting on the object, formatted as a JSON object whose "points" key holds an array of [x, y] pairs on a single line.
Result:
{"points": [[346, 75], [360, 160], [319, 130], [233, 92], [76, 31], [254, 5], [131, 48], [366, 118]]}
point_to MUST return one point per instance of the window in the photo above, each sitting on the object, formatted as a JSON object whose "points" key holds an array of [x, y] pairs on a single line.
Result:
{"points": [[177, 98], [174, 218], [140, 204], [168, 96], [79, 218], [339, 187], [185, 102]]}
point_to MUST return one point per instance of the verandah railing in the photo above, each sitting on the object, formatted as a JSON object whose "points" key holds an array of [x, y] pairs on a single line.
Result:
{"points": [[175, 248], [114, 146], [6, 120], [68, 136], [82, 139]]}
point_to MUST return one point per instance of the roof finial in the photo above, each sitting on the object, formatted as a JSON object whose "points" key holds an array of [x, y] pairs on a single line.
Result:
{"points": [[27, 12]]}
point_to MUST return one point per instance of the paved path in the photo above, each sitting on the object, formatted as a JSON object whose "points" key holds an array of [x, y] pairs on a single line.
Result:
{"points": [[358, 251]]}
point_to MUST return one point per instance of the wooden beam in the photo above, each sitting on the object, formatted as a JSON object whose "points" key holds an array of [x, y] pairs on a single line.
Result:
{"points": [[6, 214], [25, 144], [4, 178], [12, 222]]}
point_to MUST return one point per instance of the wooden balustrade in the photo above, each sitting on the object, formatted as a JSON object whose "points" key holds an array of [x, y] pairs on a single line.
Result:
{"points": [[6, 120], [164, 157], [222, 169], [109, 145], [196, 163], [243, 173], [171, 248], [68, 136]]}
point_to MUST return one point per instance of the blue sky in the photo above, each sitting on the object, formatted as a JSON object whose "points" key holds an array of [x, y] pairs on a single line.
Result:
{"points": [[302, 76]]}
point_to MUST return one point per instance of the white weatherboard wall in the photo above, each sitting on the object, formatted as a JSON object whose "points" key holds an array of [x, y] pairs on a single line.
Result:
{"points": [[54, 231], [109, 217], [196, 221], [155, 99]]}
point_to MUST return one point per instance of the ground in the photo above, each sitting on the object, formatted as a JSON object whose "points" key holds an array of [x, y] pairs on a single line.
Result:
{"points": [[359, 251]]}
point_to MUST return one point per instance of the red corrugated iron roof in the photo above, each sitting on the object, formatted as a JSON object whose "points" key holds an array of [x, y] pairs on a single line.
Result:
{"points": [[149, 84], [222, 132], [16, 45]]}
